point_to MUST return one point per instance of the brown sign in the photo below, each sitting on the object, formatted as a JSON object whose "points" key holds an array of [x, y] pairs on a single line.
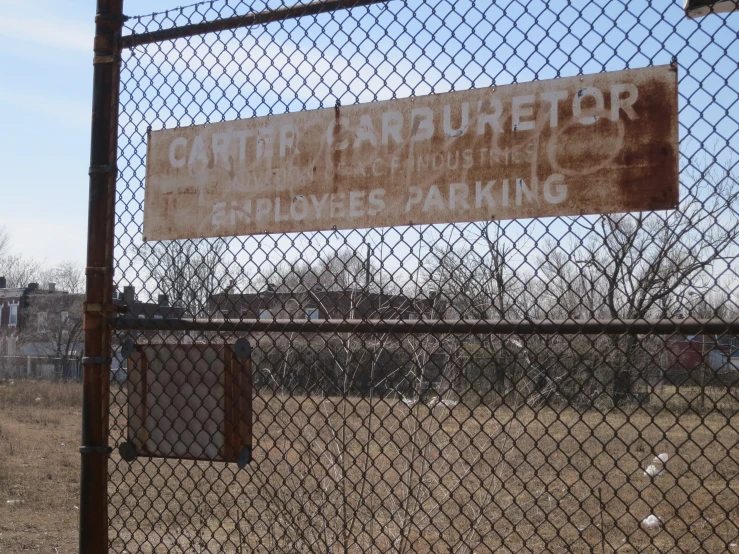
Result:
{"points": [[580, 145], [190, 401]]}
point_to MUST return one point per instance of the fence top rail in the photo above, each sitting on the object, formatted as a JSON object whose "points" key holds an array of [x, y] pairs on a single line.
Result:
{"points": [[246, 20], [457, 326]]}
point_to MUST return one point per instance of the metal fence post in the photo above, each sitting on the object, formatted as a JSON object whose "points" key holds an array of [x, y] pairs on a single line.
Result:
{"points": [[99, 272]]}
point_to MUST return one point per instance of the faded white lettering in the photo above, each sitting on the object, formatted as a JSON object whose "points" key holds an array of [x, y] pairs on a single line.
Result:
{"points": [[554, 97], [626, 103], [577, 101], [491, 117], [523, 106], [484, 193], [456, 132], [392, 124], [422, 124], [174, 160], [560, 189]]}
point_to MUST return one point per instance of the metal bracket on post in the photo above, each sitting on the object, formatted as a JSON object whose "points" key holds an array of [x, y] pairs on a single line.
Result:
{"points": [[102, 169], [92, 360], [104, 450], [127, 348], [105, 310], [244, 458], [127, 451], [120, 18], [106, 59]]}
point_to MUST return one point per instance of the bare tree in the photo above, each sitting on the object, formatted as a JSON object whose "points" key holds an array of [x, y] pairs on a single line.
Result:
{"points": [[20, 270], [641, 265], [53, 326], [713, 303], [189, 272], [476, 279], [566, 287], [69, 276], [4, 241], [340, 269]]}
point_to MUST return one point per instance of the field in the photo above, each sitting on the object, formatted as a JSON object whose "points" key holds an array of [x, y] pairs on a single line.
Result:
{"points": [[39, 466], [357, 475]]}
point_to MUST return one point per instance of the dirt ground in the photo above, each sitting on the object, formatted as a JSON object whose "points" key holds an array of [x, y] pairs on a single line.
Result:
{"points": [[359, 475], [39, 466]]}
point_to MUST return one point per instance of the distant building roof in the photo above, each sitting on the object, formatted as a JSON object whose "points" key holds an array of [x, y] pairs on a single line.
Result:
{"points": [[348, 303], [147, 309]]}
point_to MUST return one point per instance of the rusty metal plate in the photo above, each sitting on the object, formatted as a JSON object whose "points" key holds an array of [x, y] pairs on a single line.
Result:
{"points": [[189, 401], [581, 145]]}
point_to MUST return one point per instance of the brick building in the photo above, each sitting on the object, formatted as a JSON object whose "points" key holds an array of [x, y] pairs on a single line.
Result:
{"points": [[319, 303], [690, 354], [41, 327], [40, 330]]}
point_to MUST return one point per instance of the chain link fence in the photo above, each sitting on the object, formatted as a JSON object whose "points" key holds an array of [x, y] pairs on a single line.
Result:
{"points": [[534, 385], [35, 366]]}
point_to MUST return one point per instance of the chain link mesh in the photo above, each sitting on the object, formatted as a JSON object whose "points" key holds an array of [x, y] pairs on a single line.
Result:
{"points": [[438, 442]]}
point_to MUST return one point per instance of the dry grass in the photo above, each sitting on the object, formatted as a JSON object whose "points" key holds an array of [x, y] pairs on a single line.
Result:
{"points": [[39, 466], [334, 475], [354, 475]]}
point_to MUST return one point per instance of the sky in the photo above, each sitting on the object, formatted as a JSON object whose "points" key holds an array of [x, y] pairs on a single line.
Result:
{"points": [[45, 95], [46, 72], [403, 48]]}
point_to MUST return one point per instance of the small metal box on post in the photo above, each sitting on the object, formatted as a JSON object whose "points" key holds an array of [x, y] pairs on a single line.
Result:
{"points": [[189, 402]]}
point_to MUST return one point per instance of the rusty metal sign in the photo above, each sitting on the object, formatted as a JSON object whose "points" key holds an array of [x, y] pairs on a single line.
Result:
{"points": [[190, 401], [580, 145]]}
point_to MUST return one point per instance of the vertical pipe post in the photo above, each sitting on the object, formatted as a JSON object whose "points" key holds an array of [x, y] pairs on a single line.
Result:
{"points": [[99, 279]]}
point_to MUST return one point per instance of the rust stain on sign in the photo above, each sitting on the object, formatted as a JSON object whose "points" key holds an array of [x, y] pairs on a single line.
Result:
{"points": [[580, 145]]}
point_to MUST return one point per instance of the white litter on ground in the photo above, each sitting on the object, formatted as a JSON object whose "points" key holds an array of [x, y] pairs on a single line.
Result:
{"points": [[657, 465], [651, 521]]}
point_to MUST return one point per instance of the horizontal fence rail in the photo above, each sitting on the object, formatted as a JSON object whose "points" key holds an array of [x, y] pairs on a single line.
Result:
{"points": [[247, 20], [545, 327]]}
